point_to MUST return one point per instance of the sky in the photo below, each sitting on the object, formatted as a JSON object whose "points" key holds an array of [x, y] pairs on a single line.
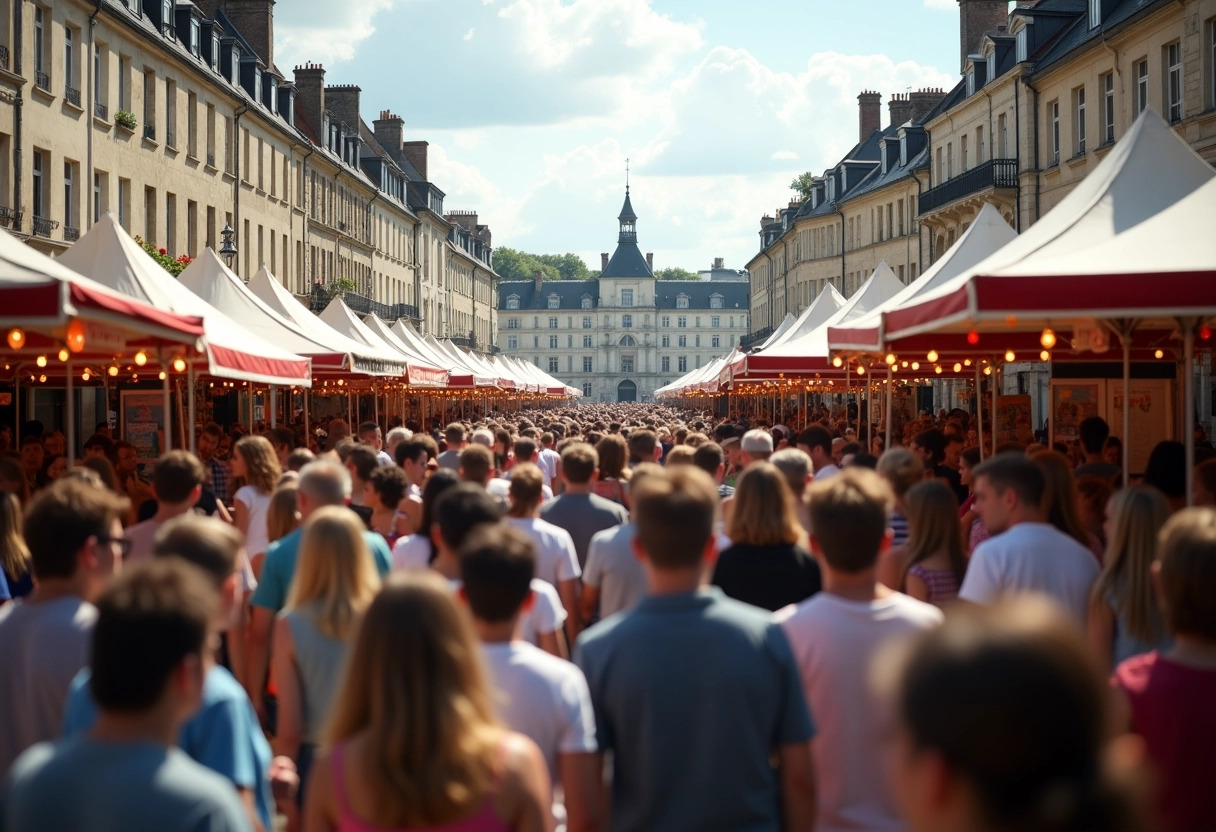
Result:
{"points": [[531, 107]]}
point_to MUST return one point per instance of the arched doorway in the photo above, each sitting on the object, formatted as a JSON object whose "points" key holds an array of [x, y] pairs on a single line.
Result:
{"points": [[626, 391]]}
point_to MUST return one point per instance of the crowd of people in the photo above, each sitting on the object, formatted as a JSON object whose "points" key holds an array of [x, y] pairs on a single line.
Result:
{"points": [[626, 617]]}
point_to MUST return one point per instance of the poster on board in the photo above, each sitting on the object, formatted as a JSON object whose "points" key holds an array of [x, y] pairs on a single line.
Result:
{"points": [[1072, 402], [143, 422], [1150, 415], [1014, 422]]}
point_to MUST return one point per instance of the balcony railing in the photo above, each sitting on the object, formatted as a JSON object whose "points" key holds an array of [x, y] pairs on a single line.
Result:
{"points": [[43, 81], [72, 95], [363, 305], [748, 341], [3, 57], [101, 111], [463, 341], [71, 235], [43, 227], [995, 173]]}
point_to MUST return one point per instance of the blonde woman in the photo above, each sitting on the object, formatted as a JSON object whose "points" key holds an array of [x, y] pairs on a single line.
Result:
{"points": [[334, 583], [255, 462], [282, 518], [902, 469], [413, 742], [934, 563], [16, 581], [1124, 618], [767, 564]]}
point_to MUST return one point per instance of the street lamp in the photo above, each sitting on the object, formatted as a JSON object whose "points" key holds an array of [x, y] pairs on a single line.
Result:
{"points": [[227, 249]]}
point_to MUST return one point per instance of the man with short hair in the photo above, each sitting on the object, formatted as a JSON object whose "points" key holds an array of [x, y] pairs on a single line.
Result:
{"points": [[217, 470], [455, 438], [795, 466], [483, 437], [177, 484], [613, 578], [816, 443], [835, 634], [539, 695], [476, 464], [579, 511], [74, 533], [643, 447], [322, 483], [33, 454], [757, 446], [223, 734], [394, 438], [556, 556], [283, 440], [709, 458], [673, 667], [1025, 553], [360, 461], [1094, 433], [549, 460], [371, 436], [931, 446], [97, 446], [151, 651], [525, 450]]}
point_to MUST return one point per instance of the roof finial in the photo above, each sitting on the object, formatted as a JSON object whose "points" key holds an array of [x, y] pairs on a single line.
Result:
{"points": [[626, 174]]}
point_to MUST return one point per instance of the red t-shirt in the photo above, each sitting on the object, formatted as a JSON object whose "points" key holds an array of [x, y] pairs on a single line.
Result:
{"points": [[1174, 709]]}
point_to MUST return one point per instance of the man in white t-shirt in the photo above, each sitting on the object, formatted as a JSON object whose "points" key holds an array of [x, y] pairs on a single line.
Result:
{"points": [[816, 443], [548, 460], [556, 558], [538, 695], [458, 512], [835, 636], [1025, 553]]}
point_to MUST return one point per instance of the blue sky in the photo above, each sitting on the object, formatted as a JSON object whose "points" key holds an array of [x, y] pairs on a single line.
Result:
{"points": [[532, 106]]}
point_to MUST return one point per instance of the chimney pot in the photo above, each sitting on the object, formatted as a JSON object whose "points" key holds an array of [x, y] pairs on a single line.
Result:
{"points": [[869, 105], [603, 261], [650, 261]]}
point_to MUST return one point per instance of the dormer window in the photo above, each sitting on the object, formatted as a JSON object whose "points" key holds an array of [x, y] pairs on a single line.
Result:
{"points": [[882, 155], [991, 66], [166, 18], [715, 301], [903, 149], [257, 85], [196, 36], [1022, 45], [971, 82], [586, 302], [681, 301], [831, 188], [512, 301], [555, 301], [1095, 13], [236, 66], [215, 48]]}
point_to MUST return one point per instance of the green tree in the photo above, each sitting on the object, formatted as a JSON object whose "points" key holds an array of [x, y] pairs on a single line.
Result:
{"points": [[802, 185], [676, 273], [570, 266], [513, 264]]}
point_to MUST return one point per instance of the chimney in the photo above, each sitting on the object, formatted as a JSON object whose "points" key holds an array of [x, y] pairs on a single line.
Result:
{"points": [[719, 263], [650, 261], [538, 280], [310, 93], [415, 154], [900, 108], [254, 19], [869, 105], [343, 101], [389, 129], [921, 102], [603, 261], [976, 19]]}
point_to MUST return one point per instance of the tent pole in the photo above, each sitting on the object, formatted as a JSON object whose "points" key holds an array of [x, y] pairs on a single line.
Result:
{"points": [[890, 409], [846, 394], [1188, 400], [274, 407], [167, 408], [1126, 337], [17, 408], [979, 410], [307, 423], [996, 374], [70, 417], [190, 410]]}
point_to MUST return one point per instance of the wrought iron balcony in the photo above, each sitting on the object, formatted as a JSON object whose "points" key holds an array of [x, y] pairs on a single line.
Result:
{"points": [[746, 342], [995, 173], [43, 81], [72, 95], [463, 341], [363, 305], [101, 111], [43, 227], [8, 216], [71, 235]]}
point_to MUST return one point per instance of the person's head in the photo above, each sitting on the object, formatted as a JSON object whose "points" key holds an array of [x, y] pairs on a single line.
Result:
{"points": [[56, 466], [101, 466], [1205, 484], [209, 440], [283, 513], [370, 435], [526, 490], [1060, 495], [483, 437], [1186, 573], [213, 546], [497, 563], [32, 454], [74, 532], [954, 449], [14, 554], [643, 446], [1001, 723], [322, 483], [1166, 469], [816, 442], [454, 436], [526, 450], [849, 519], [298, 458], [902, 469], [1008, 490], [97, 445], [152, 643], [579, 463], [757, 446], [710, 458], [361, 461], [177, 479], [933, 526], [125, 457], [614, 456], [55, 443], [678, 455], [930, 445], [763, 513], [338, 431], [415, 685], [1112, 451], [967, 462], [476, 463], [459, 511], [412, 456], [675, 511], [1093, 493], [1134, 517], [394, 438], [335, 572], [386, 487]]}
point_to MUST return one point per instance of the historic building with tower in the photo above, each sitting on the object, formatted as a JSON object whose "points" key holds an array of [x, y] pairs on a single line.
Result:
{"points": [[622, 335]]}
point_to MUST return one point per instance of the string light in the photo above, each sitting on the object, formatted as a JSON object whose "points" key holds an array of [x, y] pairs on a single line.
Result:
{"points": [[40, 361], [1047, 339], [141, 358], [162, 375], [973, 337], [1009, 356], [891, 358], [904, 364], [76, 335], [42, 378], [958, 368], [16, 339], [915, 365], [837, 362], [179, 365], [1045, 355], [63, 354], [861, 370], [987, 371], [932, 356], [1205, 332], [113, 371], [86, 375], [1159, 354], [966, 362], [937, 368]]}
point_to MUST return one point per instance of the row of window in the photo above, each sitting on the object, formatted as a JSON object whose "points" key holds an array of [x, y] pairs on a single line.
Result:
{"points": [[715, 341], [715, 321], [627, 366], [554, 301]]}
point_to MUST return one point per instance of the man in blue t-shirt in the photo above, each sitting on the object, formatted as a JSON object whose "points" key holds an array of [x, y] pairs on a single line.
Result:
{"points": [[322, 483], [694, 693]]}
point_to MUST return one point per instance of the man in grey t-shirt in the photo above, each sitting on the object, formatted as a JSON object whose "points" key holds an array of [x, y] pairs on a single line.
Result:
{"points": [[454, 436], [577, 510]]}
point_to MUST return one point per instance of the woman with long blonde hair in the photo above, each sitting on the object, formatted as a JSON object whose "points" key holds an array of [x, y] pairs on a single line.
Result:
{"points": [[335, 581], [413, 742], [767, 564], [1060, 499], [1124, 617], [255, 462], [14, 554], [934, 563]]}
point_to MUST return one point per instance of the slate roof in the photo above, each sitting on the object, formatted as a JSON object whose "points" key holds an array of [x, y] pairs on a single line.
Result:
{"points": [[734, 294], [570, 291], [627, 209], [627, 261], [1079, 35]]}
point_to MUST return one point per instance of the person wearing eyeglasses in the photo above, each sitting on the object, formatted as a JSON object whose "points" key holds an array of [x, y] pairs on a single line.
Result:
{"points": [[76, 544]]}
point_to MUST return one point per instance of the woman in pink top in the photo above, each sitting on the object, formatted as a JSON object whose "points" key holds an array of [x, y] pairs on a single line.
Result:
{"points": [[934, 564], [413, 742]]}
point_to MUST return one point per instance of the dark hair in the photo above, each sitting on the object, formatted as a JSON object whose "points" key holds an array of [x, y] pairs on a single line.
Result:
{"points": [[99, 441], [368, 427], [708, 457], [436, 485], [390, 483], [497, 563], [864, 460], [104, 470], [674, 509], [282, 436], [1166, 469], [1014, 471], [613, 455], [176, 475], [476, 463], [149, 619], [364, 461], [849, 518], [409, 449], [212, 429], [641, 445], [462, 509], [579, 461], [62, 518], [454, 434], [815, 436], [934, 442], [525, 449], [210, 544], [298, 458], [1093, 431], [971, 456], [1011, 700]]}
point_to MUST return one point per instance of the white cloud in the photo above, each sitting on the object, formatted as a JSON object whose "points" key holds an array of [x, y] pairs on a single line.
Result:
{"points": [[323, 31], [469, 35], [942, 5], [784, 154]]}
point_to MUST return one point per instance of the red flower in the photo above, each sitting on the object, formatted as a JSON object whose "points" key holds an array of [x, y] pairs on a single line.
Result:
{"points": [[164, 251]]}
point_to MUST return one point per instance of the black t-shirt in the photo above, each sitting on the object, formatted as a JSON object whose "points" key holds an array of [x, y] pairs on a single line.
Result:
{"points": [[952, 479], [770, 577]]}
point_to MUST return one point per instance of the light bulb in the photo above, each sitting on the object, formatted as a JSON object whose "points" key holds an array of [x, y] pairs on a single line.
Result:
{"points": [[161, 376], [1159, 354], [42, 378], [63, 354], [837, 362], [141, 358], [76, 335], [937, 368], [973, 337], [113, 371], [987, 371], [904, 364], [891, 358], [16, 339], [1045, 355], [861, 370], [179, 365], [86, 375], [932, 356], [966, 362], [915, 365], [1009, 356], [1047, 339], [958, 368], [41, 361]]}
